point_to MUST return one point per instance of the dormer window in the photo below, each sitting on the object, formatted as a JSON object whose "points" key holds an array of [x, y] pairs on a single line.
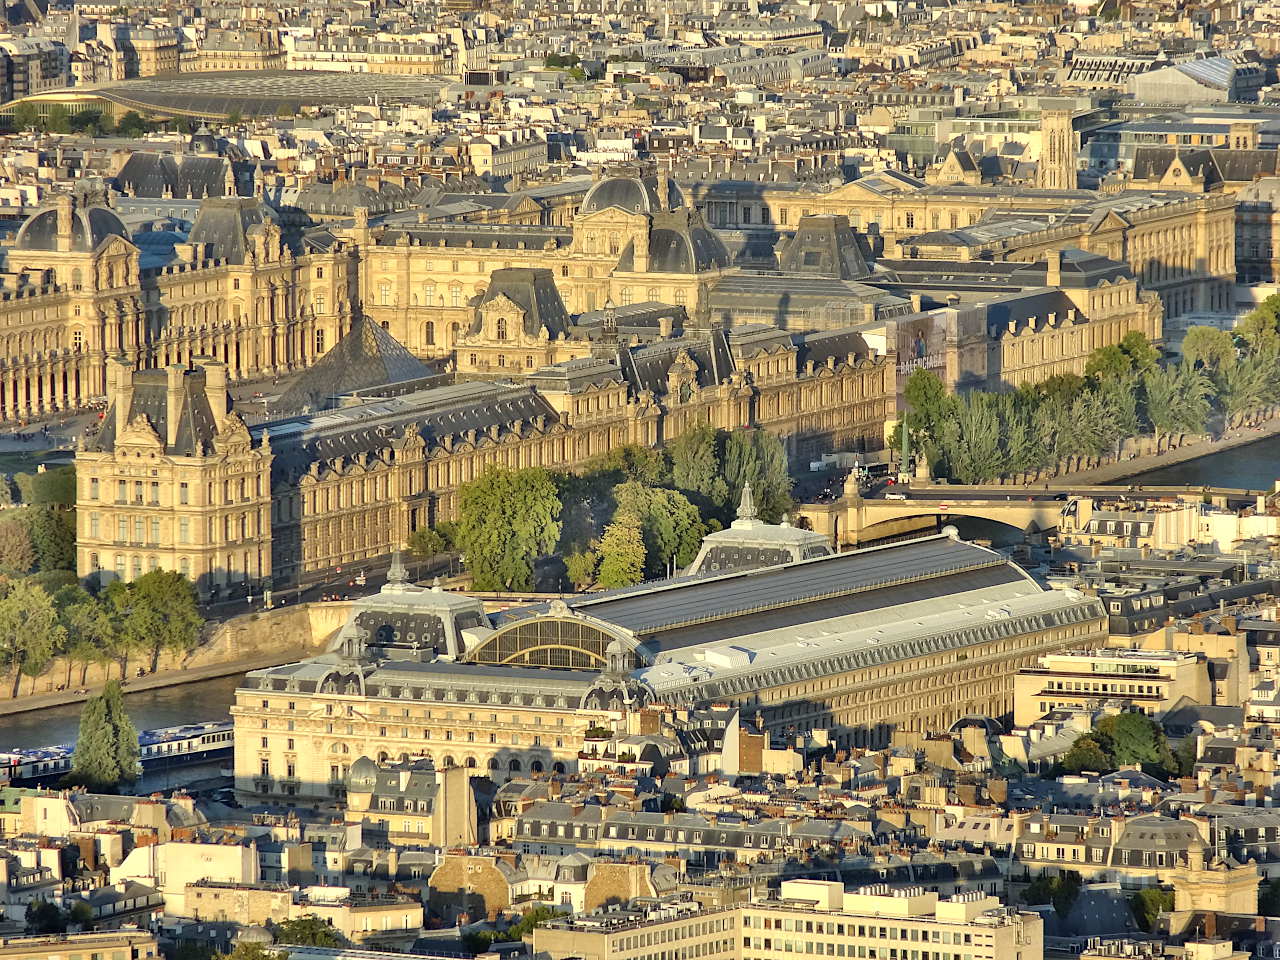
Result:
{"points": [[502, 328]]}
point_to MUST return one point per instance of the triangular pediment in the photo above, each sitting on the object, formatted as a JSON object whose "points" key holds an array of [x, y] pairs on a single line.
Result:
{"points": [[139, 432]]}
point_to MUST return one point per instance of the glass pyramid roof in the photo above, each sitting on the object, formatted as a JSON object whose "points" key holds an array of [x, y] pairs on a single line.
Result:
{"points": [[367, 356]]}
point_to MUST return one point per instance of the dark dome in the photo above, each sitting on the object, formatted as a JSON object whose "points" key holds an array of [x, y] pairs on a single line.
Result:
{"points": [[633, 194], [686, 251], [203, 141], [89, 227]]}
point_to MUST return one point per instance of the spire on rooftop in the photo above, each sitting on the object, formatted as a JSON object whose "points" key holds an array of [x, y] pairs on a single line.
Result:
{"points": [[397, 574]]}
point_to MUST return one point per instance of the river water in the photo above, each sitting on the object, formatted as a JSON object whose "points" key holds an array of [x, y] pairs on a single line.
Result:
{"points": [[166, 707], [1252, 467]]}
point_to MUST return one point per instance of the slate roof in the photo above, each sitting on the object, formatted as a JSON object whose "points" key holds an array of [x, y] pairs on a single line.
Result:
{"points": [[155, 175], [534, 291], [196, 426], [90, 226], [224, 223], [364, 429], [824, 246]]}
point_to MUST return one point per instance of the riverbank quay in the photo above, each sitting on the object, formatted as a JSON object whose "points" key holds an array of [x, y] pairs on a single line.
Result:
{"points": [[252, 641], [1124, 469]]}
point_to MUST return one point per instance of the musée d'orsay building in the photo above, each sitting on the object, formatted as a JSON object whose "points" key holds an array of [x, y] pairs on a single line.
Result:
{"points": [[629, 326], [918, 633]]}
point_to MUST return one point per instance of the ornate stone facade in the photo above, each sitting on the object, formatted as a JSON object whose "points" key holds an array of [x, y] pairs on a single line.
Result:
{"points": [[80, 294]]}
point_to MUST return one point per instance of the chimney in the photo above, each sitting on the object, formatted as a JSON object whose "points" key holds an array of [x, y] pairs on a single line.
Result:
{"points": [[1053, 275], [215, 389], [65, 207], [120, 390], [174, 373]]}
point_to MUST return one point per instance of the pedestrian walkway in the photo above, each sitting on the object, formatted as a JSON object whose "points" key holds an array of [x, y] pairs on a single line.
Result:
{"points": [[1239, 437], [151, 681]]}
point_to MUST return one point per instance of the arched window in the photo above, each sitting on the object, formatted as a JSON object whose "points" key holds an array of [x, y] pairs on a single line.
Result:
{"points": [[502, 328], [514, 766], [493, 763], [536, 766], [557, 768], [184, 567], [429, 333], [450, 762], [471, 762]]}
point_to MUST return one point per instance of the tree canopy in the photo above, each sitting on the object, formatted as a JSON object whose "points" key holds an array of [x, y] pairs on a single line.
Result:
{"points": [[106, 752], [507, 519], [622, 553], [308, 931]]}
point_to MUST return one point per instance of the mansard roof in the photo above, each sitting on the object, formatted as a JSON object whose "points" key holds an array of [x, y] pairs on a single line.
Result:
{"points": [[90, 226], [646, 367], [156, 175], [150, 399], [224, 223], [824, 246], [366, 429], [534, 291]]}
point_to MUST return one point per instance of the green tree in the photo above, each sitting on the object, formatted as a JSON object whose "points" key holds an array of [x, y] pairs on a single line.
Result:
{"points": [[59, 119], [670, 525], [928, 406], [129, 640], [308, 931], [580, 567], [1249, 383], [132, 125], [507, 519], [1209, 348], [90, 634], [161, 613], [235, 118], [1142, 355], [1087, 754], [425, 543], [80, 913], [757, 457], [53, 487], [1106, 362], [1134, 738], [53, 536], [1185, 756], [29, 630], [971, 439], [622, 553], [1148, 904], [45, 917], [630, 462], [106, 752], [1260, 327], [17, 554], [1177, 399], [479, 942], [696, 469], [26, 116], [1061, 891], [251, 951]]}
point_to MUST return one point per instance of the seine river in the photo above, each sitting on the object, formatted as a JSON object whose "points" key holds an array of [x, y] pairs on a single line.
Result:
{"points": [[189, 703], [1252, 467]]}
